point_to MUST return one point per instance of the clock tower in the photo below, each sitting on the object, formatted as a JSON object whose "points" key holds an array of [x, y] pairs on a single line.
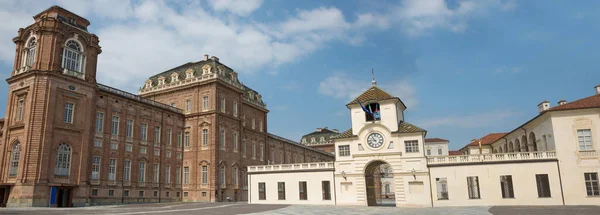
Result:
{"points": [[380, 160]]}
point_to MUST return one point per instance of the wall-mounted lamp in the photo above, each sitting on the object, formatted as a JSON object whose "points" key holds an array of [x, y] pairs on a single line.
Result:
{"points": [[344, 175], [413, 173]]}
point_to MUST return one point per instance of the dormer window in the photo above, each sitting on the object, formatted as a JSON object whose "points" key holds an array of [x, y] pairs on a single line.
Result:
{"points": [[189, 74], [322, 139], [72, 57], [206, 69], [148, 83], [174, 77], [312, 140], [303, 140], [161, 80]]}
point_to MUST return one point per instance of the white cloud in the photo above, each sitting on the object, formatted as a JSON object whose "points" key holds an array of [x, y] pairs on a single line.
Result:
{"points": [[238, 7], [342, 86], [476, 120]]}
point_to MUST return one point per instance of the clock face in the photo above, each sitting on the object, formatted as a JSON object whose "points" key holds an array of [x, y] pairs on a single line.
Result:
{"points": [[375, 140]]}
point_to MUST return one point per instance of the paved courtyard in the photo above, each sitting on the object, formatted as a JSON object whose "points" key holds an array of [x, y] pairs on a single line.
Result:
{"points": [[241, 208]]}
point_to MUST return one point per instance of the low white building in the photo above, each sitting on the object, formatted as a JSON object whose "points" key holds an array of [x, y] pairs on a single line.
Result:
{"points": [[551, 159]]}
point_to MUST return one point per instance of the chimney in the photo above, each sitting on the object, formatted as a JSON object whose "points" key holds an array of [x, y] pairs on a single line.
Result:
{"points": [[597, 89], [205, 56], [336, 131], [543, 106], [319, 129], [562, 102], [215, 58]]}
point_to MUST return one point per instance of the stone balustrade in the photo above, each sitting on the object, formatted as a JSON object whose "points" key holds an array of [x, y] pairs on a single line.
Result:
{"points": [[291, 167], [588, 154], [496, 157]]}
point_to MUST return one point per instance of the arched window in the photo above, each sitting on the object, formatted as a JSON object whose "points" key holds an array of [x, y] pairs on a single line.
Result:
{"points": [[72, 56], [14, 159], [63, 160], [30, 52]]}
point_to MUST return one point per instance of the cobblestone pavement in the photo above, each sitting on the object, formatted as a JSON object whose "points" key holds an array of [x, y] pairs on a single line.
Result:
{"points": [[545, 210], [361, 210]]}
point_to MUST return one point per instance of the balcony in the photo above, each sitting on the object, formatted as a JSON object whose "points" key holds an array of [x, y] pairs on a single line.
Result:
{"points": [[79, 75], [588, 154], [23, 69], [292, 167], [498, 157]]}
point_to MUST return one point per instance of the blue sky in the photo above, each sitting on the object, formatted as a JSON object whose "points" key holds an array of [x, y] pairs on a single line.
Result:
{"points": [[464, 68]]}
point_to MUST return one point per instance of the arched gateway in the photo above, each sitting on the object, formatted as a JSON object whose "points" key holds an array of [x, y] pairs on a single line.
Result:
{"points": [[379, 181]]}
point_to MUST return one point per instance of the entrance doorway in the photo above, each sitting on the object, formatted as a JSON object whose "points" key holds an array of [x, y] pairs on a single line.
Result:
{"points": [[379, 182], [4, 191], [60, 196]]}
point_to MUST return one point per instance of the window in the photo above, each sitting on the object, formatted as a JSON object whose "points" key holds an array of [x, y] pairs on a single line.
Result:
{"points": [[111, 192], [302, 190], [235, 176], [168, 154], [20, 105], [30, 52], [244, 148], [506, 185], [129, 129], [14, 161], [168, 194], [428, 151], [204, 175], [205, 103], [178, 175], [411, 146], [125, 192], [243, 120], [63, 160], [142, 175], [372, 112], [179, 155], [115, 125], [112, 169], [72, 57], [223, 105], [177, 194], [127, 170], [128, 147], [98, 143], [99, 121], [222, 176], [144, 131], [235, 142], [96, 167], [157, 134], [442, 188], [260, 125], [253, 124], [222, 139], [253, 151], [185, 194], [543, 185], [114, 146], [188, 106], [281, 157], [186, 139], [156, 152], [262, 191], [186, 175], [235, 109], [204, 137], [585, 140], [94, 192], [69, 112], [179, 139], [473, 187], [326, 190], [169, 136], [155, 193], [143, 150], [344, 150], [156, 173], [281, 190], [262, 149], [439, 151], [141, 193], [203, 194], [591, 184]]}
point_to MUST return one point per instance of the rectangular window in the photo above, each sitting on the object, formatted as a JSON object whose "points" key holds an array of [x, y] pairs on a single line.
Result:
{"points": [[262, 191], [473, 187], [112, 169], [262, 151], [344, 150], [253, 151], [156, 173], [114, 146], [141, 193], [142, 175], [129, 129], [20, 105], [168, 194], [281, 190], [222, 176], [205, 103], [204, 175], [243, 148], [179, 155], [156, 152], [326, 190], [185, 194], [222, 139], [203, 194], [253, 123], [169, 136], [125, 192], [591, 184], [157, 134], [98, 143], [144, 131], [439, 151], [411, 146], [115, 126], [235, 109], [260, 125], [585, 139], [168, 154], [442, 188], [128, 147], [99, 121], [186, 139], [223, 105], [186, 175], [302, 190], [69, 112], [178, 175], [96, 167], [127, 170], [94, 192], [188, 106], [506, 185], [428, 151], [204, 137], [235, 142], [143, 150], [155, 194], [111, 192], [235, 176], [543, 185], [179, 139]]}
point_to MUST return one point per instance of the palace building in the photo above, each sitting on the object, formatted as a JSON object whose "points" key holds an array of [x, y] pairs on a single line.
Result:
{"points": [[68, 140], [552, 159]]}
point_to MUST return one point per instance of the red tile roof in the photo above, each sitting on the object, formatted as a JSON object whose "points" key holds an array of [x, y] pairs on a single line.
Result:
{"points": [[488, 139], [373, 94], [454, 153], [435, 139], [588, 102]]}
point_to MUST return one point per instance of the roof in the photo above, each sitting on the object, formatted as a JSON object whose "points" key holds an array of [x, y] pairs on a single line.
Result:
{"points": [[345, 134], [299, 145], [488, 139], [196, 67], [324, 132], [454, 153], [588, 102], [435, 139], [403, 127], [373, 94]]}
